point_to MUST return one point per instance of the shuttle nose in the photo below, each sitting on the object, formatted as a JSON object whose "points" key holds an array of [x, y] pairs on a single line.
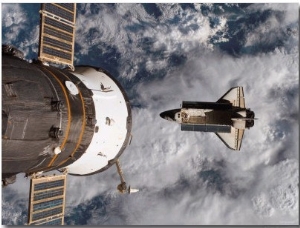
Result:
{"points": [[163, 115], [169, 115]]}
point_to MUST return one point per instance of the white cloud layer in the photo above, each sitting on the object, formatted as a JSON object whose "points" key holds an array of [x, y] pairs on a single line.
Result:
{"points": [[161, 157], [113, 27], [191, 178], [14, 17]]}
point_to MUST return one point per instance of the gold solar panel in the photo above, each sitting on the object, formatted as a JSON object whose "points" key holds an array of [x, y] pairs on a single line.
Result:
{"points": [[47, 200], [57, 34]]}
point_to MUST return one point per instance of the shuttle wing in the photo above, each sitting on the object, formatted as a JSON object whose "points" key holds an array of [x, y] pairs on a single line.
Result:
{"points": [[232, 140], [235, 96]]}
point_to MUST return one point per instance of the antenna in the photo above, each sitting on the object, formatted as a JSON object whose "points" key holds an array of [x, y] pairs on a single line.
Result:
{"points": [[122, 187]]}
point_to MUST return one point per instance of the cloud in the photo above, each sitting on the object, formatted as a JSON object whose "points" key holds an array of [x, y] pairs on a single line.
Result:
{"points": [[178, 172], [132, 31], [171, 151], [290, 17], [279, 27], [15, 202], [15, 22], [12, 14]]}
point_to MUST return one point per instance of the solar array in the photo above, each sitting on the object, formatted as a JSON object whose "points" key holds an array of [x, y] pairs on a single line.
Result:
{"points": [[57, 34], [47, 200]]}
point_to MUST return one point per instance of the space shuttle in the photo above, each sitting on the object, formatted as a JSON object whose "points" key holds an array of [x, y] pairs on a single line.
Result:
{"points": [[228, 117]]}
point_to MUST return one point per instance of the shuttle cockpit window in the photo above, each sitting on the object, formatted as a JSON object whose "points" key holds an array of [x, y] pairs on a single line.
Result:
{"points": [[178, 117]]}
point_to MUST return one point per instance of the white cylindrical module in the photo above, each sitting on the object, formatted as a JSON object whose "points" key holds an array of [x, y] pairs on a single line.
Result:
{"points": [[113, 122]]}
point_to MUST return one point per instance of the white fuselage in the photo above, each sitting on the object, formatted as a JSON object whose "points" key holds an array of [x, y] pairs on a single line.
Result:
{"points": [[111, 121]]}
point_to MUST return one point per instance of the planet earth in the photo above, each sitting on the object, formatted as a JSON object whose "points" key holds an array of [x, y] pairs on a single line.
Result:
{"points": [[164, 54]]}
